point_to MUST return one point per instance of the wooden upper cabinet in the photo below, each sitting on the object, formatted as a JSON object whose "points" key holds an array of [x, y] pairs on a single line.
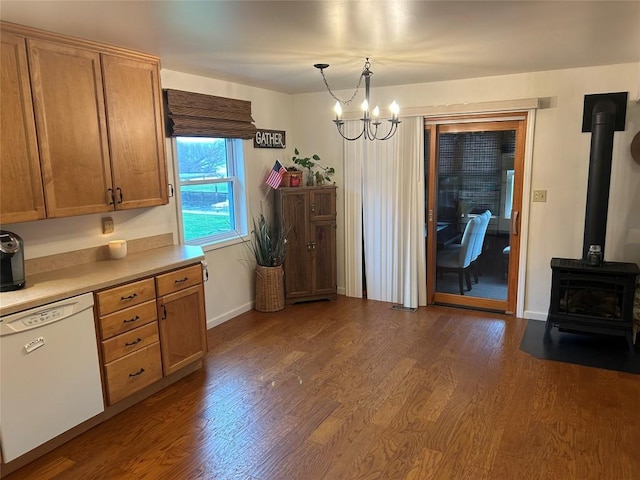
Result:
{"points": [[72, 131], [134, 115], [82, 127], [21, 197]]}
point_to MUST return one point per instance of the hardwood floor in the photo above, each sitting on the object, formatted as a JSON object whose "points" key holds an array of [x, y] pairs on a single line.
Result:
{"points": [[354, 390]]}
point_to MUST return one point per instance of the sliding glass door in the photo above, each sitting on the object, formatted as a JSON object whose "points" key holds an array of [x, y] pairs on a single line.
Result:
{"points": [[474, 193]]}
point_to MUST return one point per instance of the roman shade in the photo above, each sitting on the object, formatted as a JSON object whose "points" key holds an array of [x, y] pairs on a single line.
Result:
{"points": [[189, 114]]}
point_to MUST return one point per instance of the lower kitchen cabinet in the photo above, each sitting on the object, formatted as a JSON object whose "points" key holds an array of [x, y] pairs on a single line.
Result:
{"points": [[149, 329], [182, 328]]}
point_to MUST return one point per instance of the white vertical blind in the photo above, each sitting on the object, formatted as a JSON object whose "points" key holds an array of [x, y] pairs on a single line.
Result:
{"points": [[378, 209], [384, 209], [409, 217], [353, 155]]}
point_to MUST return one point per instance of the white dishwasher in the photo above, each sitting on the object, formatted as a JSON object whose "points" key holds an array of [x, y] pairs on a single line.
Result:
{"points": [[49, 373]]}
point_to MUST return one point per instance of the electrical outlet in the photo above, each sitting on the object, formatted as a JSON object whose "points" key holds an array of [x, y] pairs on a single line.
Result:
{"points": [[107, 225], [539, 195]]}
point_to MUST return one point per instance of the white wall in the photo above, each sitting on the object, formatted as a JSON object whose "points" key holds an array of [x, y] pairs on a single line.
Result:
{"points": [[560, 158]]}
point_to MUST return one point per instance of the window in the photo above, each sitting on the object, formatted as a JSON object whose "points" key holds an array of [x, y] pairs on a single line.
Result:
{"points": [[211, 195]]}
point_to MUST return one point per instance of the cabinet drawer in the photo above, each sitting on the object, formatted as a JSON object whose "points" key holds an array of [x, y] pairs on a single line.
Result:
{"points": [[125, 296], [129, 342], [179, 279], [133, 372], [128, 319]]}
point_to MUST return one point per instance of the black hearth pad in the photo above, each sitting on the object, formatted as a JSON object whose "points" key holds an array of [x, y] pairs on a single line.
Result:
{"points": [[592, 350]]}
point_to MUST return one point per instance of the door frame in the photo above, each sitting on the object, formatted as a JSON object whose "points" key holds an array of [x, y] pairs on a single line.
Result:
{"points": [[522, 123]]}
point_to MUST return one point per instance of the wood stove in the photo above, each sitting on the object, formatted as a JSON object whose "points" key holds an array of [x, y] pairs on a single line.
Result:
{"points": [[587, 295], [594, 299]]}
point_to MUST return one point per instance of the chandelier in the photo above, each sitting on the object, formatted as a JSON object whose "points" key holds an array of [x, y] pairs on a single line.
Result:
{"points": [[370, 120]]}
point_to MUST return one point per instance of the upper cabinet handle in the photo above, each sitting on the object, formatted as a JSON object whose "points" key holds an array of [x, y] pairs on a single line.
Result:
{"points": [[110, 198], [119, 190], [514, 222]]}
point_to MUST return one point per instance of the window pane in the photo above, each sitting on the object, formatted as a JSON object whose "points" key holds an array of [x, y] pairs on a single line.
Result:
{"points": [[207, 210], [202, 158]]}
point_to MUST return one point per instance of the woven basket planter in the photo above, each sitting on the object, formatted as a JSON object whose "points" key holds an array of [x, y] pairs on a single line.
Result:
{"points": [[269, 288]]}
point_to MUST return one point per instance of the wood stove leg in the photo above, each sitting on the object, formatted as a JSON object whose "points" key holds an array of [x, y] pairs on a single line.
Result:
{"points": [[547, 331], [632, 349]]}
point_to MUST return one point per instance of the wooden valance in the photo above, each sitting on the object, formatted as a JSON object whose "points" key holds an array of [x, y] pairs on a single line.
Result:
{"points": [[189, 114]]}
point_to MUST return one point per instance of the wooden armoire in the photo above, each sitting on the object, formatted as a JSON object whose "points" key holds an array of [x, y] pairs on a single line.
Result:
{"points": [[309, 215]]}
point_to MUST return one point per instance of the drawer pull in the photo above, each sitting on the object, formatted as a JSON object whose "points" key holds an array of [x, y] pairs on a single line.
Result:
{"points": [[139, 372], [129, 344], [130, 297], [182, 280], [131, 320]]}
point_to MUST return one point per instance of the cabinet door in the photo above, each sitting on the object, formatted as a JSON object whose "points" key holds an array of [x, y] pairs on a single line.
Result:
{"points": [[136, 136], [72, 134], [323, 255], [322, 203], [21, 197], [182, 328], [295, 213]]}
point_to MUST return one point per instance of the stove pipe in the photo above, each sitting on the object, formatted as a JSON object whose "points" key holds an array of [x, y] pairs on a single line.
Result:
{"points": [[607, 115]]}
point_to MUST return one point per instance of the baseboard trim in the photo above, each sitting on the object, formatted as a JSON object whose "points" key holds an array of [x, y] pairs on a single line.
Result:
{"points": [[528, 314], [212, 322]]}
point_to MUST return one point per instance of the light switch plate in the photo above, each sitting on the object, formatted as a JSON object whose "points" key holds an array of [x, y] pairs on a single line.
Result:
{"points": [[539, 195], [107, 225]]}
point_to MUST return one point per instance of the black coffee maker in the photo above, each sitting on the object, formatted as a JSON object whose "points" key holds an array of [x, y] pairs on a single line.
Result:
{"points": [[11, 261]]}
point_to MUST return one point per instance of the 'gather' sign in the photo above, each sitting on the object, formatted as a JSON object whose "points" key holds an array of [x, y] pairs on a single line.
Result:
{"points": [[269, 139]]}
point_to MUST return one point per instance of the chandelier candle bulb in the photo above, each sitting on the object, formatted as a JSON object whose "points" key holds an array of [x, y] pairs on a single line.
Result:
{"points": [[376, 112], [338, 109], [395, 110]]}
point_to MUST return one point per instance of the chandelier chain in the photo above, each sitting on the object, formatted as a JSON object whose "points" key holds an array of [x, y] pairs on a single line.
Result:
{"points": [[344, 102]]}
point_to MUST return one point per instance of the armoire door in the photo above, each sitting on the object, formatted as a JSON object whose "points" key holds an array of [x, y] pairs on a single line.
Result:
{"points": [[294, 208]]}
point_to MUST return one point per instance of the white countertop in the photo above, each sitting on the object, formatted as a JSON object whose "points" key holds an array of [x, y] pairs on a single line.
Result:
{"points": [[43, 288]]}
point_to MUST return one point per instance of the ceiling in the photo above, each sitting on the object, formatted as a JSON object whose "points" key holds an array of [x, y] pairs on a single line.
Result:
{"points": [[274, 44]]}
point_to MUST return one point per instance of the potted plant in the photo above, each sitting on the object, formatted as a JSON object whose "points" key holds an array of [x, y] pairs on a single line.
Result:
{"points": [[269, 247], [317, 177], [306, 162], [324, 174]]}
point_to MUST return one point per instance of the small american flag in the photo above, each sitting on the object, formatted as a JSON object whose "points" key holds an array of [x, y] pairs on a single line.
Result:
{"points": [[275, 176]]}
